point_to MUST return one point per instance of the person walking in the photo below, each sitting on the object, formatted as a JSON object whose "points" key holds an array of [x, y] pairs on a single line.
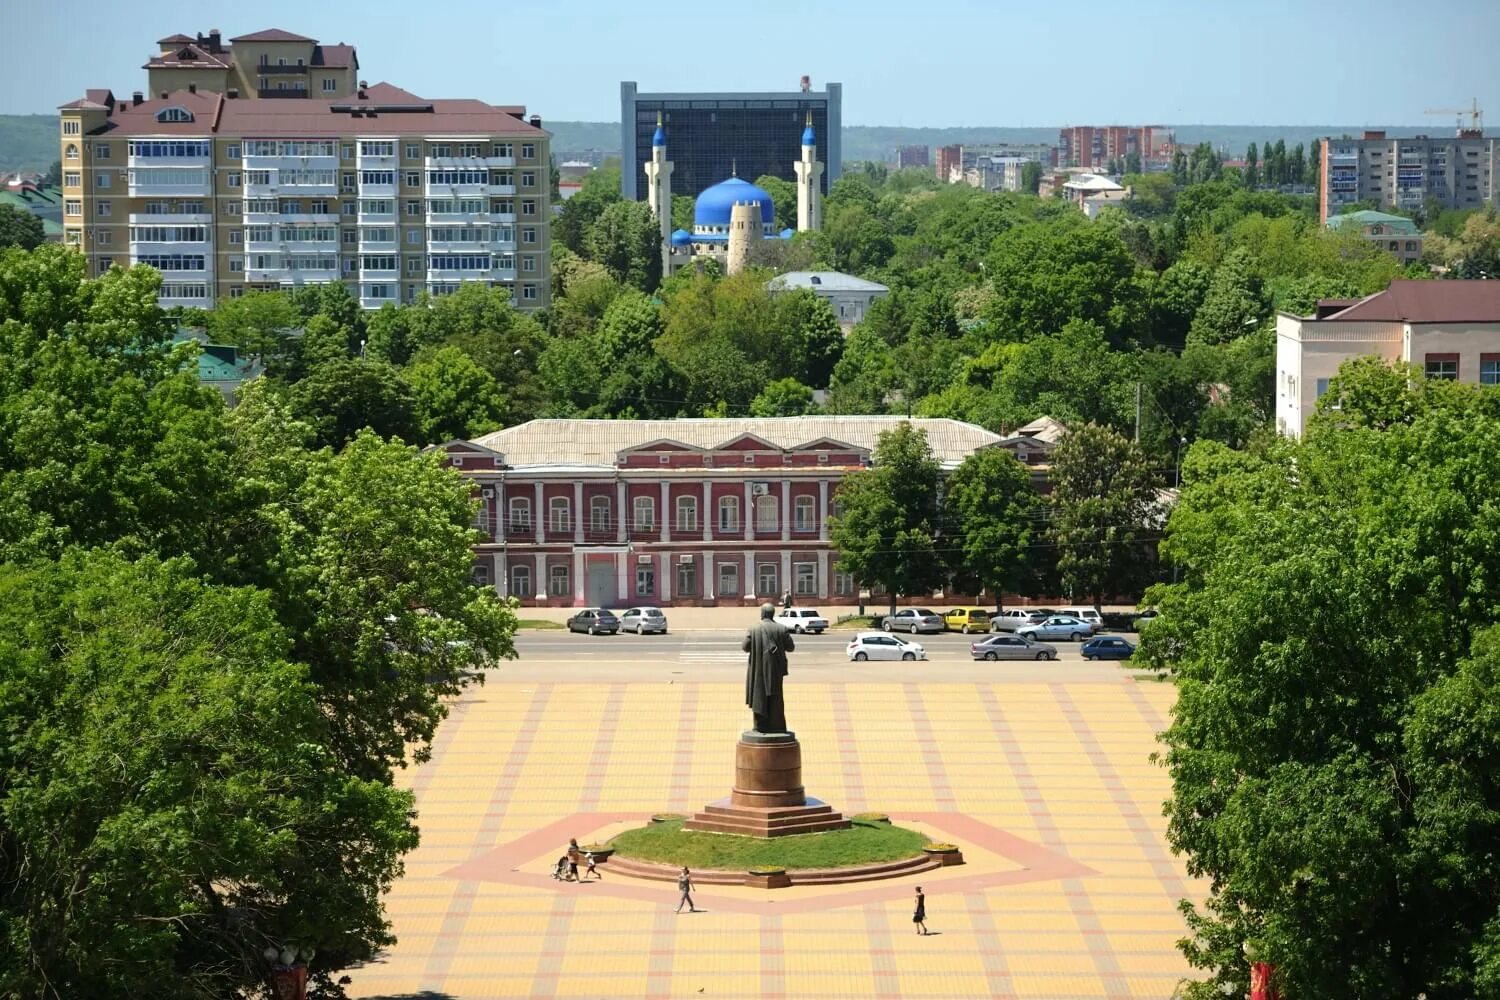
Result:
{"points": [[573, 856], [920, 917], [685, 886], [590, 867]]}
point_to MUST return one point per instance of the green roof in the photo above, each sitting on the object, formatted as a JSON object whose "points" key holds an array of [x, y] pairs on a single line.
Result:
{"points": [[1361, 220]]}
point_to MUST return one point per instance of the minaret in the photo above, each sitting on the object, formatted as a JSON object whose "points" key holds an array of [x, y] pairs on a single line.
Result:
{"points": [[659, 192], [809, 177]]}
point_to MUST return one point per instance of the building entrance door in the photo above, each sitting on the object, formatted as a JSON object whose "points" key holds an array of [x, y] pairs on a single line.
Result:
{"points": [[600, 589]]}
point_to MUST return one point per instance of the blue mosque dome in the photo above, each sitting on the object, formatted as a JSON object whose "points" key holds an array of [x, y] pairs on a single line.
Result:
{"points": [[681, 238], [714, 204], [659, 137], [788, 233], [808, 139]]}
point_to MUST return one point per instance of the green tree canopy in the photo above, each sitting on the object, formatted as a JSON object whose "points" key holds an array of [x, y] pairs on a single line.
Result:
{"points": [[783, 398], [19, 229], [1048, 275], [991, 513], [452, 396], [1102, 500], [340, 398], [625, 238]]}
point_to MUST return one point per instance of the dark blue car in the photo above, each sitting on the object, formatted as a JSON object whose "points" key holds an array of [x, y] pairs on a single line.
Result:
{"points": [[1107, 647]]}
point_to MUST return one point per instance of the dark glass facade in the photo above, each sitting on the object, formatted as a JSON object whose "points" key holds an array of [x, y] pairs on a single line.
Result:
{"points": [[710, 137]]}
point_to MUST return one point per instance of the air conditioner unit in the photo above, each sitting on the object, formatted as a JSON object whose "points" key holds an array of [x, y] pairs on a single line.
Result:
{"points": [[488, 493], [760, 489]]}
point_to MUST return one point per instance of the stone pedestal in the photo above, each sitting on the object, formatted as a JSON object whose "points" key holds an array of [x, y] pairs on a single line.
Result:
{"points": [[768, 799]]}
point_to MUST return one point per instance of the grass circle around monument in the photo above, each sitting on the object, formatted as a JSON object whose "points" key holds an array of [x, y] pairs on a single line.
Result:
{"points": [[864, 843]]}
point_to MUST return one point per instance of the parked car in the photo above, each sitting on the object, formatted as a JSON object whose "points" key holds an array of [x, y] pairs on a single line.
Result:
{"points": [[967, 619], [1089, 616], [1009, 621], [594, 621], [801, 620], [1058, 627], [1011, 647], [1145, 618], [912, 620], [1107, 647], [879, 646], [643, 620]]}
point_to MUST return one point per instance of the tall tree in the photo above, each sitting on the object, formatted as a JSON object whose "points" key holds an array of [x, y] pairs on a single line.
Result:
{"points": [[886, 535], [340, 398], [1297, 166], [783, 398], [1102, 500], [1031, 177], [990, 512], [625, 239], [263, 324], [1252, 167], [783, 198], [19, 229], [1234, 304], [452, 397]]}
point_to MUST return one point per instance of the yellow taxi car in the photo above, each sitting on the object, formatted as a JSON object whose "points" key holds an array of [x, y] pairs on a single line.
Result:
{"points": [[969, 619]]}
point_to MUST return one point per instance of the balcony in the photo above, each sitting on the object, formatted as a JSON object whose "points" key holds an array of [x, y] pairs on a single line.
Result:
{"points": [[379, 246], [469, 162], [482, 190], [456, 218], [134, 162], [503, 273], [377, 301], [502, 216], [159, 183], [170, 219], [304, 247], [376, 218], [310, 218], [143, 247], [377, 190], [187, 302], [474, 274], [502, 189]]}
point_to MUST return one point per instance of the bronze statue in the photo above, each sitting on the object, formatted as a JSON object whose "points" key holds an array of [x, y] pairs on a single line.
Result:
{"points": [[767, 642]]}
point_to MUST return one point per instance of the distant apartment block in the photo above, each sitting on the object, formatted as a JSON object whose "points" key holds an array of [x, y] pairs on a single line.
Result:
{"points": [[997, 173], [1395, 234], [223, 188], [912, 156], [1450, 329], [948, 164], [982, 165], [1091, 147], [1460, 171]]}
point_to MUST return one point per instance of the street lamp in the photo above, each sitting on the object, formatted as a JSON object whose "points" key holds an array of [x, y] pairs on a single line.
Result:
{"points": [[289, 970]]}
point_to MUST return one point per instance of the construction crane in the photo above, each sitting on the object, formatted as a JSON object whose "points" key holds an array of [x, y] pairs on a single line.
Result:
{"points": [[1475, 113]]}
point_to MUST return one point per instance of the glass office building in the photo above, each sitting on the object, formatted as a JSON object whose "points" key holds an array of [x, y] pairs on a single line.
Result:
{"points": [[711, 136]]}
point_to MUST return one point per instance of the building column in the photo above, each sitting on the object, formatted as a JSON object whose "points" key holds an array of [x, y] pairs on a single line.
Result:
{"points": [[748, 587], [786, 571], [823, 509], [664, 578], [710, 581], [666, 511], [578, 512], [620, 528], [537, 514], [622, 576], [539, 590], [708, 512], [502, 574], [824, 590], [749, 514], [786, 510], [578, 583]]}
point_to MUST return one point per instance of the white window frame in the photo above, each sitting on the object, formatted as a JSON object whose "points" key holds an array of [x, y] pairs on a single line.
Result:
{"points": [[598, 514], [520, 514], [730, 571], [647, 506], [687, 513], [687, 579], [559, 583], [804, 514], [729, 514], [645, 580], [805, 579], [767, 513], [767, 578], [559, 515]]}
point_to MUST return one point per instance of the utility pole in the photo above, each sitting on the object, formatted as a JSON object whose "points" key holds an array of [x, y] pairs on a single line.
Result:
{"points": [[1137, 413]]}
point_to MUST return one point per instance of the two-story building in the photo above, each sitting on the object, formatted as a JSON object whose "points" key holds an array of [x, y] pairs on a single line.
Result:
{"points": [[1450, 329], [675, 512]]}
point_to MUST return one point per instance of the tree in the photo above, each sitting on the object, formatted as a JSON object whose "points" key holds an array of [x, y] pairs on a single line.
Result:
{"points": [[1132, 162], [1252, 169], [990, 510], [19, 229], [1235, 302], [260, 323], [172, 802], [1179, 167], [783, 398], [887, 534], [1336, 792], [1297, 166], [54, 174], [625, 238], [806, 324], [452, 396], [1031, 177], [600, 189], [340, 398], [783, 198], [1102, 498]]}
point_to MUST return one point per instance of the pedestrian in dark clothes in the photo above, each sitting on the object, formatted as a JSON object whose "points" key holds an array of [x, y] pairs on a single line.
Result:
{"points": [[573, 858], [685, 886], [920, 917]]}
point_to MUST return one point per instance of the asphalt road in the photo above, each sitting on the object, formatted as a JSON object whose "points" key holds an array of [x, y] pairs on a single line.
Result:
{"points": [[716, 657]]}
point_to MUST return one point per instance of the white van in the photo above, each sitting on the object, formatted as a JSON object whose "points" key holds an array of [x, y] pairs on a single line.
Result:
{"points": [[1089, 615]]}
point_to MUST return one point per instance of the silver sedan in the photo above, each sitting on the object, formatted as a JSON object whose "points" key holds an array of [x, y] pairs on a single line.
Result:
{"points": [[1005, 646]]}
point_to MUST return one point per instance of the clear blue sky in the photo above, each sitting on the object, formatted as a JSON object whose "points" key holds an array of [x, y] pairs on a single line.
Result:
{"points": [[959, 62]]}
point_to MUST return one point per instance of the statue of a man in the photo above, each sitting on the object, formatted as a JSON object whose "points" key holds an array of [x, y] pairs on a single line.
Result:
{"points": [[767, 642]]}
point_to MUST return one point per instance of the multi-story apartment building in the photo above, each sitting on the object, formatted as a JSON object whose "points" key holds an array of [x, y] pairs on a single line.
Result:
{"points": [[272, 63], [1460, 171], [223, 190], [911, 156], [1091, 147]]}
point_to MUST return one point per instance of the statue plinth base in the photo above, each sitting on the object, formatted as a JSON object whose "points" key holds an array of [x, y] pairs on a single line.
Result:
{"points": [[768, 799]]}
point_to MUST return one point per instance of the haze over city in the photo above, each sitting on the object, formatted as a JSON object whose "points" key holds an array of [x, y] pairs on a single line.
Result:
{"points": [[964, 63]]}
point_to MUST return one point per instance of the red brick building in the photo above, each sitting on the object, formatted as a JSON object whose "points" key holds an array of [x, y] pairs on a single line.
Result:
{"points": [[680, 512], [1091, 147], [949, 163]]}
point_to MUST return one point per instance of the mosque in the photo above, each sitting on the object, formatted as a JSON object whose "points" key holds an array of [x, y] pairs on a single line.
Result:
{"points": [[732, 216]]}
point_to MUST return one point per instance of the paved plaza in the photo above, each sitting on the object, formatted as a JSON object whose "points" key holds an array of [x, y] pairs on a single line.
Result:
{"points": [[1041, 776]]}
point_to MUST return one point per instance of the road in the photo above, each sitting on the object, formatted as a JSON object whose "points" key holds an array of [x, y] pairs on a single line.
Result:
{"points": [[716, 657]]}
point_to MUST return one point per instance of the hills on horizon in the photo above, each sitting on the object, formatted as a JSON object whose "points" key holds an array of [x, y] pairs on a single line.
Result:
{"points": [[30, 142]]}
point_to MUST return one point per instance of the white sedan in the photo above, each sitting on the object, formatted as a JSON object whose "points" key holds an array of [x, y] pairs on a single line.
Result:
{"points": [[882, 646], [801, 620]]}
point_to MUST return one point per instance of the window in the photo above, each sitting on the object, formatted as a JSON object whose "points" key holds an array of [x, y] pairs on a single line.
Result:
{"points": [[414, 236], [687, 579], [413, 150], [807, 579], [413, 178], [480, 576], [1489, 369], [73, 237], [528, 234], [104, 238], [101, 181], [349, 208], [73, 206], [557, 582], [103, 209], [1322, 388], [234, 178], [104, 264], [101, 150], [520, 514], [231, 208], [528, 207], [559, 520], [528, 263], [441, 149], [236, 264], [765, 578], [73, 178], [599, 514], [645, 581], [729, 579], [765, 513], [71, 152], [504, 149], [236, 237], [803, 517], [528, 291], [350, 237], [72, 126], [329, 85], [469, 149], [843, 584], [528, 178], [521, 582], [413, 208], [413, 265], [528, 150], [174, 114], [729, 513], [1444, 366], [643, 514], [687, 514]]}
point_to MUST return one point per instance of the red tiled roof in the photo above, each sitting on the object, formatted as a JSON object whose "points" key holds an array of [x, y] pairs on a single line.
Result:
{"points": [[175, 40], [272, 35], [190, 56], [1409, 301], [335, 56], [83, 104], [140, 119]]}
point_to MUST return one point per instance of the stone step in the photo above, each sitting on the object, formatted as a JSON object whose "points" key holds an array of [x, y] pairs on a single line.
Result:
{"points": [[751, 826], [770, 813], [654, 872]]}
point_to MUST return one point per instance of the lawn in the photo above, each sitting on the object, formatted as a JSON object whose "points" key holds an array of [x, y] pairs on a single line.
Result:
{"points": [[863, 843], [538, 623]]}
